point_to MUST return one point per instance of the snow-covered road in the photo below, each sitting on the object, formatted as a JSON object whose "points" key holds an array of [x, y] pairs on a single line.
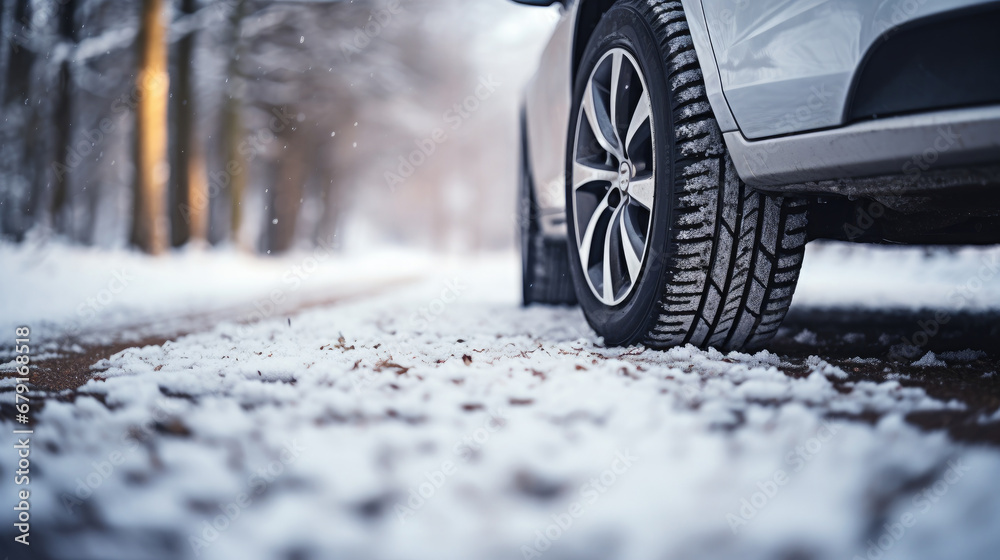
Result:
{"points": [[443, 421]]}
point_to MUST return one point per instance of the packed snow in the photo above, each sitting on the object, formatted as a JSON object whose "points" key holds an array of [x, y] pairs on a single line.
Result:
{"points": [[440, 420]]}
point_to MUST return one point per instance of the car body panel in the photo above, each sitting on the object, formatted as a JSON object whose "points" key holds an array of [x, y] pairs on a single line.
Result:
{"points": [[547, 105], [778, 74], [904, 146], [700, 36], [788, 65]]}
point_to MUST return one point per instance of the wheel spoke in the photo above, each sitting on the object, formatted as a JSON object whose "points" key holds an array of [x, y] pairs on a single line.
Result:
{"points": [[588, 234], [592, 110], [584, 174], [640, 116], [631, 259], [616, 76], [608, 281], [642, 192]]}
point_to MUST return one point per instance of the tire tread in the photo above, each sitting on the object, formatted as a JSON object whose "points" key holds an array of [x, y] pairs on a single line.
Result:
{"points": [[737, 296]]}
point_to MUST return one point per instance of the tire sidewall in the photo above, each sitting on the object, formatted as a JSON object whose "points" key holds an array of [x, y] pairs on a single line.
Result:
{"points": [[628, 322], [525, 221]]}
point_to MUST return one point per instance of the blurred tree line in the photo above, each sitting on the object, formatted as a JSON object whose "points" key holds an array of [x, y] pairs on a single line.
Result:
{"points": [[160, 123]]}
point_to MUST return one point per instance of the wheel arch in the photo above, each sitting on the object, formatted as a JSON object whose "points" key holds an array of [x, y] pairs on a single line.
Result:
{"points": [[589, 12]]}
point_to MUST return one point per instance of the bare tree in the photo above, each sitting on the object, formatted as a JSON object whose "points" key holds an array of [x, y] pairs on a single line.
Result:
{"points": [[234, 162], [151, 170], [189, 180], [292, 173], [19, 142], [61, 216]]}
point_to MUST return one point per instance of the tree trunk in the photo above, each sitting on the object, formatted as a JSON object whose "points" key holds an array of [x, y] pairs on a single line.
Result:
{"points": [[21, 60], [59, 209], [61, 168], [234, 164], [287, 193], [6, 44], [20, 189], [332, 197], [188, 175], [149, 223]]}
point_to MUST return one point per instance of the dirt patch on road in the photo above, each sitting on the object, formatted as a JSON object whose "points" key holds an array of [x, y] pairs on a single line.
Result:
{"points": [[950, 355], [70, 370]]}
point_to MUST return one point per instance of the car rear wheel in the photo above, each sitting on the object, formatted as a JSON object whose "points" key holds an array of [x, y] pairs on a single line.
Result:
{"points": [[545, 276], [668, 246]]}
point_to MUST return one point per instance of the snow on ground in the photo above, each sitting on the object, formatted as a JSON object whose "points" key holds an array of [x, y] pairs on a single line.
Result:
{"points": [[840, 274], [94, 294], [442, 421]]}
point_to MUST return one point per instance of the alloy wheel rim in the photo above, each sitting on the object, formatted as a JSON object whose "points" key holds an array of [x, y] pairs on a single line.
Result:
{"points": [[613, 177]]}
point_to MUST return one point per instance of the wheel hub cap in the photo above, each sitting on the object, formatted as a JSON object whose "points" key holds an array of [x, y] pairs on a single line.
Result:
{"points": [[624, 171]]}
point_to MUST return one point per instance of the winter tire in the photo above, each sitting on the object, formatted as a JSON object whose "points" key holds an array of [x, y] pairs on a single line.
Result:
{"points": [[668, 245]]}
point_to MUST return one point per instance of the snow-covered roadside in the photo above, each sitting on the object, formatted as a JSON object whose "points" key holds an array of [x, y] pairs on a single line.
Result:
{"points": [[845, 275], [94, 294], [443, 421]]}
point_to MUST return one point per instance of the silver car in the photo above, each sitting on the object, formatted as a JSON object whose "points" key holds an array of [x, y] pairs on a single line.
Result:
{"points": [[677, 156]]}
